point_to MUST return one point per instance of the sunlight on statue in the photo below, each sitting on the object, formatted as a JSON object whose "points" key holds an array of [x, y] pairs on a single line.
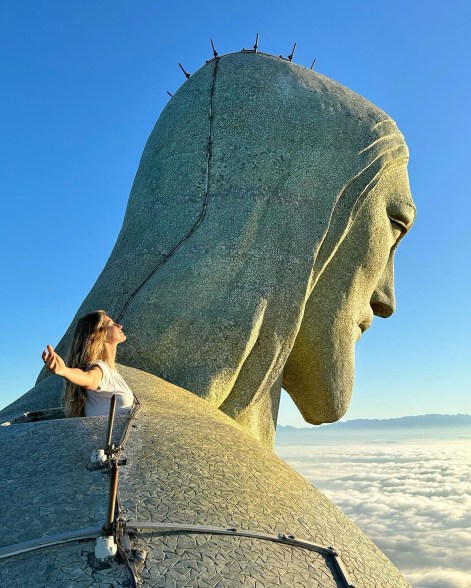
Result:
{"points": [[259, 239]]}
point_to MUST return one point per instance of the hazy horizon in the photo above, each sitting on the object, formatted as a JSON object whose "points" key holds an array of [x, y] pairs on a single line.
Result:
{"points": [[379, 420]]}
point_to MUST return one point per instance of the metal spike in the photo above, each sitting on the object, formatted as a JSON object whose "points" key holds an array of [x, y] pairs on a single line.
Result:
{"points": [[171, 95], [256, 44], [183, 70], [312, 64], [215, 53], [291, 55]]}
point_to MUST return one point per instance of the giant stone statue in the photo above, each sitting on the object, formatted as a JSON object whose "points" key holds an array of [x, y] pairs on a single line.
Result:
{"points": [[257, 245], [258, 240]]}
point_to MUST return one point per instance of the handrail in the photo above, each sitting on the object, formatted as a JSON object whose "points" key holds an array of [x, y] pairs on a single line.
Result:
{"points": [[284, 539], [109, 432], [42, 542], [135, 525], [110, 516]]}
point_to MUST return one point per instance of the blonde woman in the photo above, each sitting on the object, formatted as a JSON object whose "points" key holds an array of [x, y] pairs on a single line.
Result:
{"points": [[91, 377]]}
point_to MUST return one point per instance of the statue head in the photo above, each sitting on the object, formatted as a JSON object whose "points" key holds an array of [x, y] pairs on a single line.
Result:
{"points": [[259, 239]]}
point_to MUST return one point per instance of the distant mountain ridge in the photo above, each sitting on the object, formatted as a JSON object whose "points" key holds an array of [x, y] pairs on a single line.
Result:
{"points": [[425, 421]]}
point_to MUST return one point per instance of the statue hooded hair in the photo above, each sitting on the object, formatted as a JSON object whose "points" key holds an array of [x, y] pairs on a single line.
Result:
{"points": [[249, 181]]}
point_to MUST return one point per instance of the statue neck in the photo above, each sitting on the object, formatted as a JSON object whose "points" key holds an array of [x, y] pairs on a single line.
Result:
{"points": [[259, 419]]}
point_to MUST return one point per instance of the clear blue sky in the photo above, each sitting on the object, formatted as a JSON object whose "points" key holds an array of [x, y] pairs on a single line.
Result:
{"points": [[83, 84]]}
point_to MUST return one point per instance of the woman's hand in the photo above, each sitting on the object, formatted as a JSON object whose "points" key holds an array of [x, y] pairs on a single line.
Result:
{"points": [[53, 361], [86, 379]]}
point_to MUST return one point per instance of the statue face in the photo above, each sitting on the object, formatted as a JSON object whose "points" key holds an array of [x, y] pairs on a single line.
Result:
{"points": [[357, 283]]}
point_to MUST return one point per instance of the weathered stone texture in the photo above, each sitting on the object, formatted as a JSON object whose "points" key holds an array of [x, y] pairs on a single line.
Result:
{"points": [[187, 463]]}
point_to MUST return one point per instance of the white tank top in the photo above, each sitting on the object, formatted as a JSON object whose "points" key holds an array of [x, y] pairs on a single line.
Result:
{"points": [[112, 382]]}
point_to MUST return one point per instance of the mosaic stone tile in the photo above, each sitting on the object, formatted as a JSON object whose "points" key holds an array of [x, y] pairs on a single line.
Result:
{"points": [[189, 464]]}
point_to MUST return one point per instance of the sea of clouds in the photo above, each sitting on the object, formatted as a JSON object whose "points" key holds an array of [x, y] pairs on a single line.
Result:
{"points": [[411, 494]]}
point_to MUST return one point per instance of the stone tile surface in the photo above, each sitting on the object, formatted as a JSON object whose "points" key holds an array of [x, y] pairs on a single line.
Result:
{"points": [[72, 565], [187, 463], [47, 476], [208, 560]]}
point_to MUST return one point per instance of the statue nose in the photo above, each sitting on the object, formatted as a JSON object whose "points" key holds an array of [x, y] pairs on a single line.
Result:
{"points": [[383, 305], [383, 301]]}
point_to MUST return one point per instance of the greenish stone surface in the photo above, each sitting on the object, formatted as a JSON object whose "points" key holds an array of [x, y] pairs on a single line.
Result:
{"points": [[254, 175]]}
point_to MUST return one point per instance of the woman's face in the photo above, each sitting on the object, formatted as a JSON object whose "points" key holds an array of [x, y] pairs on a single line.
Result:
{"points": [[357, 283], [114, 332]]}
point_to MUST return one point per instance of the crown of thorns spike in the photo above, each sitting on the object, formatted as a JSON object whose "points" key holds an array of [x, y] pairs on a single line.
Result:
{"points": [[254, 50]]}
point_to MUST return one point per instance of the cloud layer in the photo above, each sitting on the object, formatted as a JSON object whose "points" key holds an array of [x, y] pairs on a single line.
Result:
{"points": [[412, 499]]}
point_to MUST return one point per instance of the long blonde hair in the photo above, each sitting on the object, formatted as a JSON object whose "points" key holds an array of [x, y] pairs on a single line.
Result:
{"points": [[88, 345]]}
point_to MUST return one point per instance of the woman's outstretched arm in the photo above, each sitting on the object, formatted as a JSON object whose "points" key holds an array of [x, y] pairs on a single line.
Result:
{"points": [[54, 362]]}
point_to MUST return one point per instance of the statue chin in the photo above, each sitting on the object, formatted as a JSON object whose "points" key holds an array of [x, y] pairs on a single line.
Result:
{"points": [[319, 414], [321, 391]]}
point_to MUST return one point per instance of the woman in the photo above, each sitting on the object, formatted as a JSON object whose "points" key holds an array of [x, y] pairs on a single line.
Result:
{"points": [[92, 378]]}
